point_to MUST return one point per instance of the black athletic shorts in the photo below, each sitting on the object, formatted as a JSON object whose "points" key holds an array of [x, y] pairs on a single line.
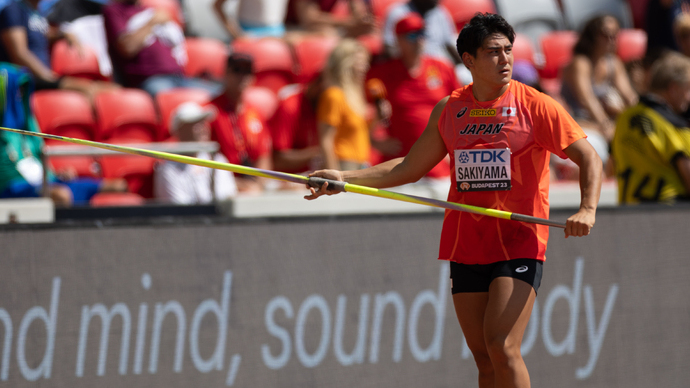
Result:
{"points": [[477, 277]]}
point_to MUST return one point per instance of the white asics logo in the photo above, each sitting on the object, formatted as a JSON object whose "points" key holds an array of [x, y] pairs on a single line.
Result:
{"points": [[521, 269]]}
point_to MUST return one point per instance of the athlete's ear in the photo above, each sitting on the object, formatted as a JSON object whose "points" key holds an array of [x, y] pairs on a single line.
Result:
{"points": [[468, 60]]}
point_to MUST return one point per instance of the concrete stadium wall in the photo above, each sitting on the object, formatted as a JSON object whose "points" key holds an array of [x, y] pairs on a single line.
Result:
{"points": [[329, 302]]}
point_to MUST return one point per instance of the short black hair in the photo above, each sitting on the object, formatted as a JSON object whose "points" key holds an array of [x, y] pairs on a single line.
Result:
{"points": [[481, 26]]}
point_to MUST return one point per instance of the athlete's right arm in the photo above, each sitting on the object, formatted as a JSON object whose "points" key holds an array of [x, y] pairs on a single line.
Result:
{"points": [[426, 153]]}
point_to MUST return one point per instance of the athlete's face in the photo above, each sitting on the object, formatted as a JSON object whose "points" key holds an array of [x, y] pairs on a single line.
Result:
{"points": [[493, 64]]}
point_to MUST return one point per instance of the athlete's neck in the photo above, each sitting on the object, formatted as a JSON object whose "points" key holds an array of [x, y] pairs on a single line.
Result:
{"points": [[483, 92]]}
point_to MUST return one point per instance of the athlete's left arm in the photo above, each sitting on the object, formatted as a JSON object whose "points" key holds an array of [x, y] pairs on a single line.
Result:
{"points": [[584, 155]]}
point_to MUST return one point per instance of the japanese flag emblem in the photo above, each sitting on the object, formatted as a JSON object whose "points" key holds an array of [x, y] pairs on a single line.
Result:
{"points": [[508, 111]]}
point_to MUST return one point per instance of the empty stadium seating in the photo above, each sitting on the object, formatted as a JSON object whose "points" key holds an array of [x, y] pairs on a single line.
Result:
{"points": [[463, 10], [66, 60], [523, 49], [207, 58], [312, 54], [632, 44], [557, 48], [127, 115], [273, 62], [136, 170], [65, 113]]}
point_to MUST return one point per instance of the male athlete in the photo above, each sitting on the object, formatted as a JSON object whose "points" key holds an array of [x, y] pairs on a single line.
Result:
{"points": [[499, 134]]}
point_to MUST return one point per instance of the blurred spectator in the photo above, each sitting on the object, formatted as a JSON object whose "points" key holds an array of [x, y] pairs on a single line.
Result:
{"points": [[343, 129], [21, 168], [595, 84], [525, 72], [293, 128], [243, 137], [412, 85], [315, 16], [64, 11], [26, 37], [440, 33], [186, 184], [660, 17], [147, 48], [681, 32], [259, 18], [651, 147]]}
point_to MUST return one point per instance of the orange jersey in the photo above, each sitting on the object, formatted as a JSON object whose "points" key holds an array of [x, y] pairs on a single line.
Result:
{"points": [[500, 153]]}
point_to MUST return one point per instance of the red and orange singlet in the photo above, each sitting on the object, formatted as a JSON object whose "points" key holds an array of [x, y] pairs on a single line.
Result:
{"points": [[500, 153]]}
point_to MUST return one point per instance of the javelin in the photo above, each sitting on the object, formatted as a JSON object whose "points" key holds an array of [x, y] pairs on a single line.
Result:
{"points": [[314, 182]]}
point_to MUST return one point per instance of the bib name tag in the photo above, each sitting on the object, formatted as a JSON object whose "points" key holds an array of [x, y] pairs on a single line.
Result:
{"points": [[482, 169], [32, 170]]}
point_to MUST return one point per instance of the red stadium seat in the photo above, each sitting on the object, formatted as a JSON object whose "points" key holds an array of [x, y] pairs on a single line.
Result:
{"points": [[463, 10], [127, 115], [172, 7], [85, 166], [264, 100], [312, 54], [523, 48], [273, 62], [116, 199], [207, 58], [66, 60], [557, 48], [380, 7], [65, 113], [632, 44], [136, 170], [168, 100]]}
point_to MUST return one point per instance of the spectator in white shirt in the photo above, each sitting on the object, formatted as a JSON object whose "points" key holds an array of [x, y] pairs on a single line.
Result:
{"points": [[187, 184]]}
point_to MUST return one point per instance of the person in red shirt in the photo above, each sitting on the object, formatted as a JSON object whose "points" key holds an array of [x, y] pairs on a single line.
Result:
{"points": [[500, 134], [412, 85], [293, 128], [242, 135]]}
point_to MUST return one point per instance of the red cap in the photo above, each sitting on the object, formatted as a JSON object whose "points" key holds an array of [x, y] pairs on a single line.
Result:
{"points": [[410, 23]]}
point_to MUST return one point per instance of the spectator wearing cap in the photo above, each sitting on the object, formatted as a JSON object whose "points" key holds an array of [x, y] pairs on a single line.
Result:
{"points": [[238, 128], [186, 184], [147, 48], [411, 85], [440, 33]]}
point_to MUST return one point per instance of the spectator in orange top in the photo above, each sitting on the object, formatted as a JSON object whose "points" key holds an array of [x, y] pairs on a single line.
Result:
{"points": [[243, 137], [293, 128], [412, 85], [340, 115]]}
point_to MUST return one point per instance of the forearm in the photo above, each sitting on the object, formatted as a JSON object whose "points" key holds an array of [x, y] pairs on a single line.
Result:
{"points": [[230, 24], [27, 59], [590, 182], [131, 43], [387, 174]]}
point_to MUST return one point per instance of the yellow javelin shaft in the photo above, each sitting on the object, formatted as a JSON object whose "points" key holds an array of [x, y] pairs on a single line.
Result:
{"points": [[315, 182]]}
